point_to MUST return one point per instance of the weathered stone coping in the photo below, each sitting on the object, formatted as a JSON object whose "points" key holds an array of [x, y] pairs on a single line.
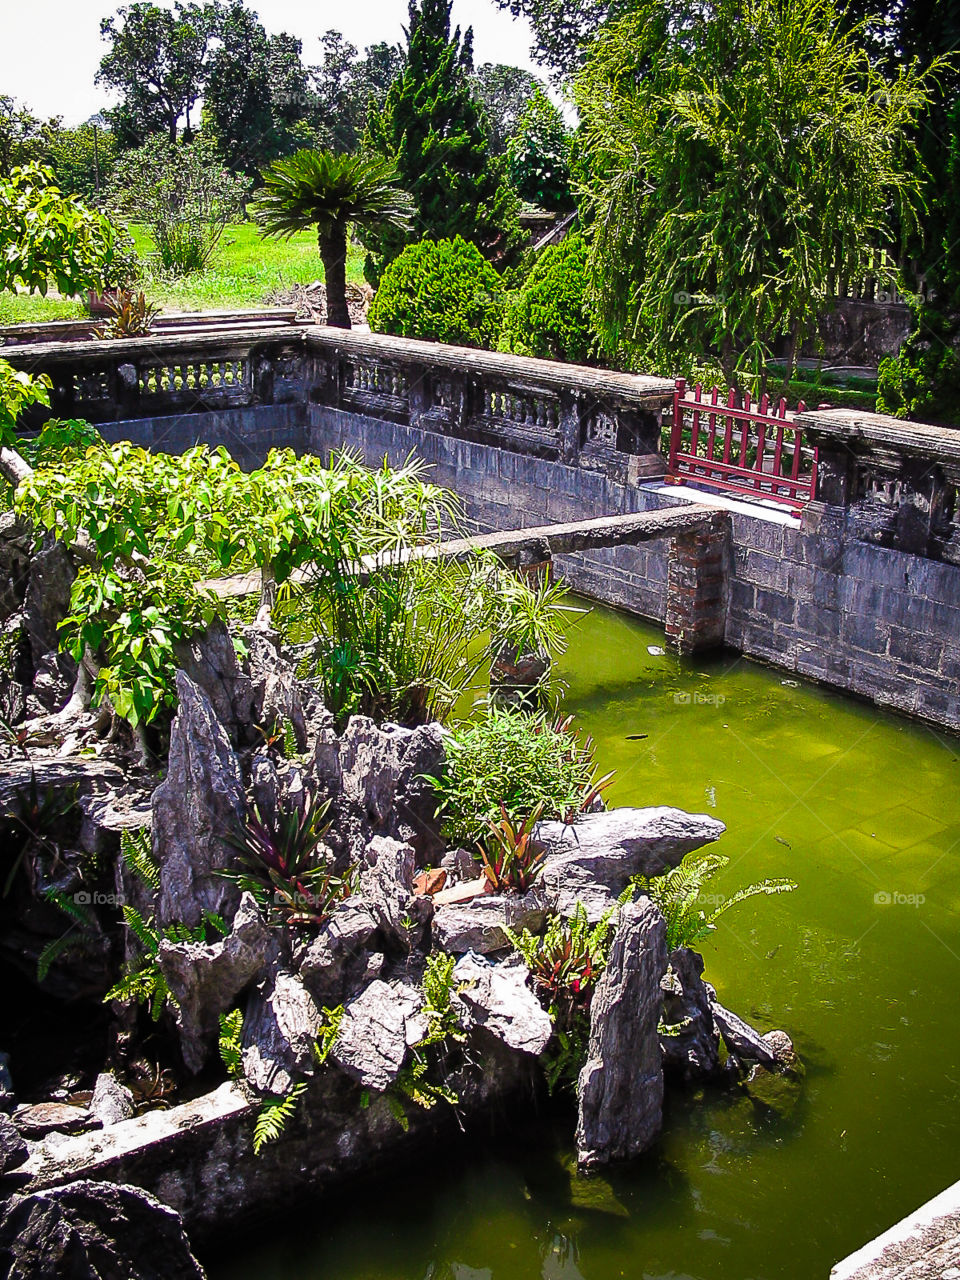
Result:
{"points": [[923, 1246], [874, 431], [519, 546], [198, 1158]]}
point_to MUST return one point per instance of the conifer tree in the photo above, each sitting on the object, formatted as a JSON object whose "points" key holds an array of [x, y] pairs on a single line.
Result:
{"points": [[433, 128]]}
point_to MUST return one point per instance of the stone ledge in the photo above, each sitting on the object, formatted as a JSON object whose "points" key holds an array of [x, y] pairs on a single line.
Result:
{"points": [[923, 1246]]}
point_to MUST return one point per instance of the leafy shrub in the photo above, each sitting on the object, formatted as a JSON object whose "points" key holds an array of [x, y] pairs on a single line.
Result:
{"points": [[183, 193], [677, 894], [922, 382], [538, 155], [442, 291], [548, 317], [518, 760]]}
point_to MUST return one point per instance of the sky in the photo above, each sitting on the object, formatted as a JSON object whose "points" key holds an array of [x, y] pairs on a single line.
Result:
{"points": [[50, 49]]}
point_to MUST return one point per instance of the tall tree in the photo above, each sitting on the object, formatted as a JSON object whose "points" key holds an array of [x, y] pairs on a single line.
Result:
{"points": [[321, 190], [157, 61], [734, 174], [505, 93], [538, 156], [433, 127], [256, 103], [346, 84]]}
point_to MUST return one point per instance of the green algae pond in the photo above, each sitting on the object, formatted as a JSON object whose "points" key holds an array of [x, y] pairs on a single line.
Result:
{"points": [[861, 965]]}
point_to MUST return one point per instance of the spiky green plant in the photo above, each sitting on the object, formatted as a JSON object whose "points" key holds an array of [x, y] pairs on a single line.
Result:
{"points": [[678, 895], [512, 857], [229, 1042], [328, 191], [273, 1117]]}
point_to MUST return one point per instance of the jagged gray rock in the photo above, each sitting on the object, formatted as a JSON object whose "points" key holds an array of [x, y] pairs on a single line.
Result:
{"points": [[422, 756], [591, 860], [273, 680], [206, 979], [386, 888], [94, 1231], [15, 547], [740, 1038], [46, 604], [13, 1150], [621, 1086], [691, 1048], [194, 808], [279, 1031], [479, 925], [111, 1101], [338, 963], [210, 661], [376, 1030], [498, 999]]}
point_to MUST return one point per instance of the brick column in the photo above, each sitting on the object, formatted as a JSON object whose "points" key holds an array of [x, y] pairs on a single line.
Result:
{"points": [[697, 589]]}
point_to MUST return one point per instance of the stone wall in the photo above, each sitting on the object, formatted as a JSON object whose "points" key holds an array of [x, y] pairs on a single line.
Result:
{"points": [[815, 600]]}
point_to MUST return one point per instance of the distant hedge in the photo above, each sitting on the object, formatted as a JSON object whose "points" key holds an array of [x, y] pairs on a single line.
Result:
{"points": [[443, 291], [548, 316]]}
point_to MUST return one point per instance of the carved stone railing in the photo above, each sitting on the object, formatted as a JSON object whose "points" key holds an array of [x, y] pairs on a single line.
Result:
{"points": [[600, 420], [897, 483]]}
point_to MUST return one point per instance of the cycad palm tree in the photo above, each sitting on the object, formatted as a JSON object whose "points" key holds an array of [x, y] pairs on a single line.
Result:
{"points": [[327, 191]]}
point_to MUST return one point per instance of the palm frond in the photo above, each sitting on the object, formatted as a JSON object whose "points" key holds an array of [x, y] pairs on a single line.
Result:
{"points": [[321, 189]]}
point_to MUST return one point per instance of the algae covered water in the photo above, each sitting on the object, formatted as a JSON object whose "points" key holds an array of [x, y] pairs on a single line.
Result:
{"points": [[861, 964]]}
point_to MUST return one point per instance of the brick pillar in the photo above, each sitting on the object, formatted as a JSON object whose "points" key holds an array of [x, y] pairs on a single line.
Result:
{"points": [[697, 589]]}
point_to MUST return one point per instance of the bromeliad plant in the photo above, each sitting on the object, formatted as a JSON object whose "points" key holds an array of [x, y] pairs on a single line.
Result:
{"points": [[678, 895], [512, 857], [566, 963], [287, 867]]}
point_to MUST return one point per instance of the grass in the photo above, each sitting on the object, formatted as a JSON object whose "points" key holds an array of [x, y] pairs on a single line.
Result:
{"points": [[243, 271]]}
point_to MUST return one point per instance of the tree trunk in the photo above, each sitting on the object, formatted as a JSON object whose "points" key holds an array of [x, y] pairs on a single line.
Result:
{"points": [[333, 251]]}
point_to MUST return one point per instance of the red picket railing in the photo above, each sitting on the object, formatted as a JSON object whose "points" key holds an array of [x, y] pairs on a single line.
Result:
{"points": [[751, 449]]}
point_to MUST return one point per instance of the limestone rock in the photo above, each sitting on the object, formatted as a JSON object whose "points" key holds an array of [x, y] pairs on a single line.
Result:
{"points": [[373, 1038], [478, 925], [210, 662], [273, 681], [15, 547], [691, 1045], [206, 979], [94, 1231], [48, 1117], [337, 963], [621, 1086], [498, 998], [423, 756], [369, 769], [386, 888], [46, 604], [199, 802], [13, 1150], [279, 1031], [111, 1101], [591, 860], [741, 1039]]}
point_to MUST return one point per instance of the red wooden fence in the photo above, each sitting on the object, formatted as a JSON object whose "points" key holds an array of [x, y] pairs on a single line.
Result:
{"points": [[752, 449]]}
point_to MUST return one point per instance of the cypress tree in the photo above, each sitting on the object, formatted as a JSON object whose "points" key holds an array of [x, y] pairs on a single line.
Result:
{"points": [[433, 128]]}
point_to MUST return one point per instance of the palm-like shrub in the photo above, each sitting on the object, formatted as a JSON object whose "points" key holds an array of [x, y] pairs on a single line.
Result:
{"points": [[327, 191]]}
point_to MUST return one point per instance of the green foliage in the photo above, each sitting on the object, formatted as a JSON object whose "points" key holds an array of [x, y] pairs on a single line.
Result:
{"points": [[185, 195], [566, 963], [549, 317], [517, 759], [563, 29], [505, 92], [678, 895], [143, 982], [440, 290], [46, 235], [511, 856], [538, 156], [442, 1023], [327, 191], [19, 390], [347, 87], [288, 869], [80, 938], [36, 823], [421, 1080], [230, 1042], [274, 1115], [136, 850], [432, 126], [157, 62], [723, 207], [327, 1033]]}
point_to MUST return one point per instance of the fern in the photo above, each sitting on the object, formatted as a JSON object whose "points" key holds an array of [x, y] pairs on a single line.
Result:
{"points": [[442, 1022], [327, 1033], [79, 939], [137, 852], [231, 1031], [677, 894], [145, 982], [273, 1117]]}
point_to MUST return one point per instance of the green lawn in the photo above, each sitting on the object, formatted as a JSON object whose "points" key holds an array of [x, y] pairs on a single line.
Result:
{"points": [[243, 270]]}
